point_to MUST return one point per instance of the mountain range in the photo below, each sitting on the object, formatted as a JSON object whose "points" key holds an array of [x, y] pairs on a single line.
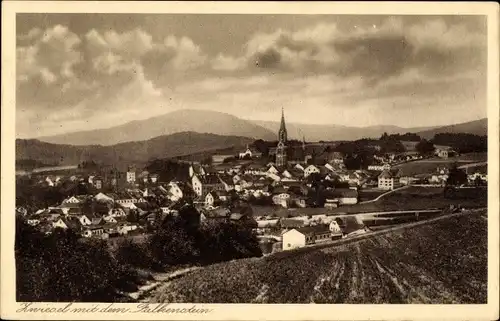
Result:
{"points": [[217, 123], [166, 146], [185, 120]]}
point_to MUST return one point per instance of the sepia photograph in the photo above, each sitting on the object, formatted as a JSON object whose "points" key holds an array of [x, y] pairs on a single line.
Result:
{"points": [[250, 158]]}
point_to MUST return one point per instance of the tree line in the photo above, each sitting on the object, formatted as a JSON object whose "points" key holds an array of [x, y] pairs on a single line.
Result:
{"points": [[60, 267]]}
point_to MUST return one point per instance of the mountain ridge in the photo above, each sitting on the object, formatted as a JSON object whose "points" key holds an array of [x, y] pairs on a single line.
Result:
{"points": [[184, 120], [212, 122], [167, 146]]}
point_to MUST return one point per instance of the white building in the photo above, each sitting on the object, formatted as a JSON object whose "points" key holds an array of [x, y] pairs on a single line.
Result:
{"points": [[300, 237], [174, 191], [381, 167], [310, 170], [130, 176], [386, 181]]}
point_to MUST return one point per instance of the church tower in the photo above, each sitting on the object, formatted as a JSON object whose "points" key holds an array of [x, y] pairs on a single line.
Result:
{"points": [[281, 148], [282, 134]]}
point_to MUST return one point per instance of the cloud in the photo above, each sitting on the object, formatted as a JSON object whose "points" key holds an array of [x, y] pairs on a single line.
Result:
{"points": [[100, 77], [49, 56], [58, 69], [373, 52]]}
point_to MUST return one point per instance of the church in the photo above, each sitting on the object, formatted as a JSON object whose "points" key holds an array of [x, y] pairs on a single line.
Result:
{"points": [[290, 153]]}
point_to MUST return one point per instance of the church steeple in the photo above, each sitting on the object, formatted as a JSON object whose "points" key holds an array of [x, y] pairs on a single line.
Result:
{"points": [[282, 134]]}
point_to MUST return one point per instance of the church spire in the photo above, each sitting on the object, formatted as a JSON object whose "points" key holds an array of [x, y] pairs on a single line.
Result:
{"points": [[282, 134]]}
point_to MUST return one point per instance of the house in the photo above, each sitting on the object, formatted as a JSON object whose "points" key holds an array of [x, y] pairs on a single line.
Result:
{"points": [[407, 180], [196, 169], [215, 197], [331, 203], [93, 231], [300, 237], [117, 212], [336, 158], [72, 223], [274, 177], [250, 153], [281, 199], [310, 170], [386, 180], [84, 220], [71, 200], [103, 197], [60, 223], [330, 167], [204, 184], [243, 219], [298, 200], [71, 208], [264, 223], [340, 196], [98, 182], [174, 191], [49, 181], [217, 214], [227, 181], [125, 199], [130, 175], [272, 170], [154, 178], [379, 167], [346, 196], [255, 169], [299, 167], [280, 196], [335, 229]]}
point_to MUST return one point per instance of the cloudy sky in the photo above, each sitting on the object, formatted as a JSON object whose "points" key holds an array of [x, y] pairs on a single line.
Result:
{"points": [[85, 71]]}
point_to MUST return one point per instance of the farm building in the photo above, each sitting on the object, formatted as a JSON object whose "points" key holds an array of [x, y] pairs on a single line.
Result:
{"points": [[303, 236]]}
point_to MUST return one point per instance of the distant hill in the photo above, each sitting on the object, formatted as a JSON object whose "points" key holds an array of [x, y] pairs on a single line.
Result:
{"points": [[178, 144], [335, 132], [199, 121], [477, 127], [202, 121]]}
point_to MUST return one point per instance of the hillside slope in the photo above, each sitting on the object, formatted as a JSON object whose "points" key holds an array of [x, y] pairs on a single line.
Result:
{"points": [[140, 151], [441, 262], [335, 132], [199, 121], [477, 127]]}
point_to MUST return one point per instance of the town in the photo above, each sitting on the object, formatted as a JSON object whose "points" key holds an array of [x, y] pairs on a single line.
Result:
{"points": [[292, 190]]}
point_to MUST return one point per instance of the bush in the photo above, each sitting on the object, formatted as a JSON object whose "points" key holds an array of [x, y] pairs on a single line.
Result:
{"points": [[134, 254], [61, 268]]}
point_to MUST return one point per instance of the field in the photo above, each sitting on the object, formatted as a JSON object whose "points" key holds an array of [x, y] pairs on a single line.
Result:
{"points": [[441, 262], [427, 166], [412, 198], [369, 194]]}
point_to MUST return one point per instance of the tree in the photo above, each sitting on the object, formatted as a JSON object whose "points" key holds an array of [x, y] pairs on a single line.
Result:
{"points": [[207, 160], [425, 147], [58, 267], [229, 160], [456, 176], [261, 146]]}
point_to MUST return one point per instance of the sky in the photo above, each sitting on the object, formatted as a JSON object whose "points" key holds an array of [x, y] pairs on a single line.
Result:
{"points": [[87, 71]]}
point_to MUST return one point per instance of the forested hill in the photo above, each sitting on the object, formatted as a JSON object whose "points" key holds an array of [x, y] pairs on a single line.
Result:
{"points": [[160, 147]]}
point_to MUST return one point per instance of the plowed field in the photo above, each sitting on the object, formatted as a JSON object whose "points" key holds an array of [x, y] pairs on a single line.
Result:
{"points": [[441, 262]]}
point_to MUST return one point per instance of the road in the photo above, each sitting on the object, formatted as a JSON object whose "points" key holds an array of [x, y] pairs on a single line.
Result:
{"points": [[386, 193], [473, 165]]}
